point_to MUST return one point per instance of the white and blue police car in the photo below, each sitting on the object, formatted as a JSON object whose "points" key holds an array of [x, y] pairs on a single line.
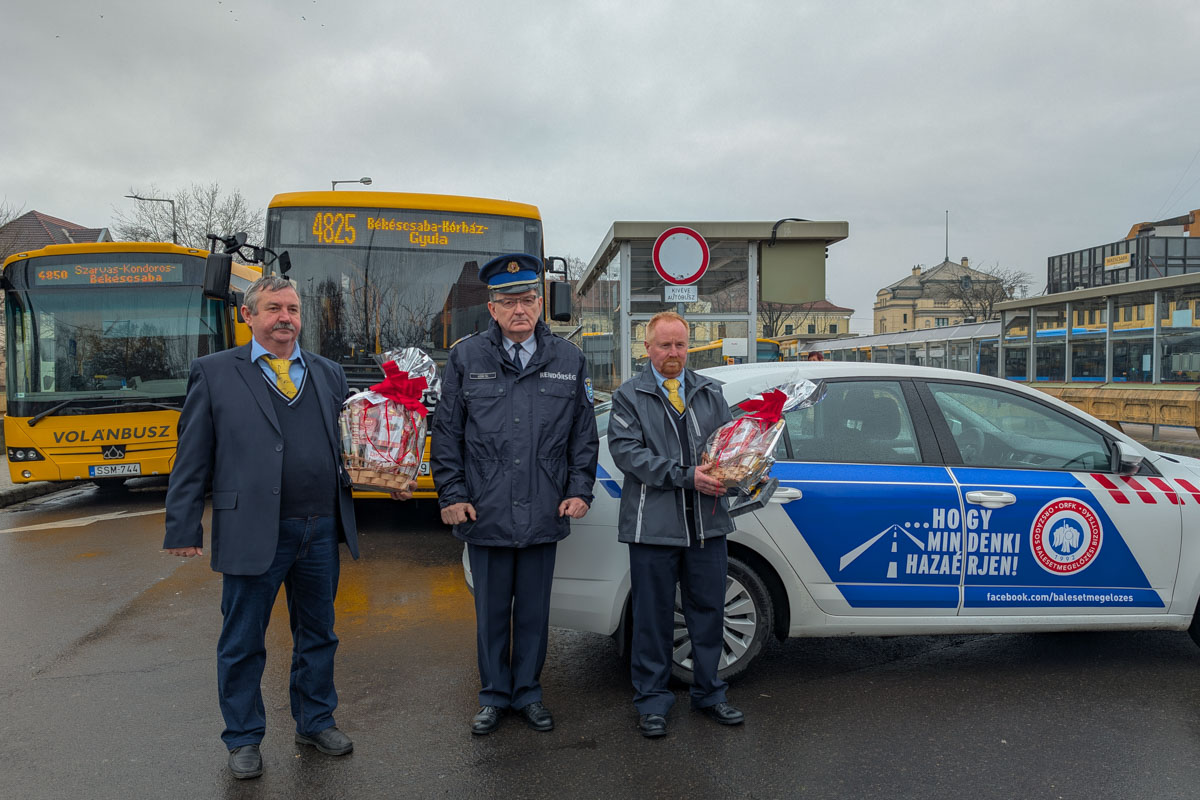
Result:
{"points": [[915, 500]]}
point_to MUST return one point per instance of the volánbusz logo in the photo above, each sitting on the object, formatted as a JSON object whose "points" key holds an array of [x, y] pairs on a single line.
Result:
{"points": [[112, 434]]}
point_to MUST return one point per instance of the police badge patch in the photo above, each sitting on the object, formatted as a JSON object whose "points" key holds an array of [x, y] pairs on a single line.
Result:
{"points": [[587, 387]]}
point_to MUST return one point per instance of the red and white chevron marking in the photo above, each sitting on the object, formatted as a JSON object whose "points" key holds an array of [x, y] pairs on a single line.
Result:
{"points": [[1125, 489]]}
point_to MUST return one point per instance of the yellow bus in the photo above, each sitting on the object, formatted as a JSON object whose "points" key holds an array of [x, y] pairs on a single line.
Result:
{"points": [[101, 337], [711, 355], [382, 270]]}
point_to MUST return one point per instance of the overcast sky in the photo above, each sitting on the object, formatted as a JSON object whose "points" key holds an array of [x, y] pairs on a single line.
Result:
{"points": [[1042, 127]]}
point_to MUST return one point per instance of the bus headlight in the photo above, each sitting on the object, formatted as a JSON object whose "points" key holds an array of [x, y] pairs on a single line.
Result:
{"points": [[24, 454]]}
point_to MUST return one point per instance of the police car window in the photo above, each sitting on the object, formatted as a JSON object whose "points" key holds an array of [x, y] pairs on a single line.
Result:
{"points": [[994, 428], [856, 422]]}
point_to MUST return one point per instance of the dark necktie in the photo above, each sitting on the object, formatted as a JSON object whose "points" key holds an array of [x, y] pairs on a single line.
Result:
{"points": [[516, 356]]}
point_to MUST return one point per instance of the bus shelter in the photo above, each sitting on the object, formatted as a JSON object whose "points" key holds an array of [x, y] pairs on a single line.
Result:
{"points": [[642, 268]]}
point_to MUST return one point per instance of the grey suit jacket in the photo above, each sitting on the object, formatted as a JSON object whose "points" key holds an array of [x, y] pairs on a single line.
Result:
{"points": [[229, 435]]}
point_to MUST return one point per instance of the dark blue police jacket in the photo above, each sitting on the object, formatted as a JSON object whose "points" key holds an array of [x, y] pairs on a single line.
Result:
{"points": [[514, 445]]}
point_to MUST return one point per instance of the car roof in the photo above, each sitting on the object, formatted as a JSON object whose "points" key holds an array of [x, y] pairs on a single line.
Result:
{"points": [[746, 380], [749, 379]]}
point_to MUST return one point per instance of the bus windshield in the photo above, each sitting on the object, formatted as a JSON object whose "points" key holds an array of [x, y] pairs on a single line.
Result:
{"points": [[110, 342], [376, 278]]}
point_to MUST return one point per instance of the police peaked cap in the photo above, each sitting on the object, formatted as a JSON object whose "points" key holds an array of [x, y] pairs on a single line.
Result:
{"points": [[511, 273]]}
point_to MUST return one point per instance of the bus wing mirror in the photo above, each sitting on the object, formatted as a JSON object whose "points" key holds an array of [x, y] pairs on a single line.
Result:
{"points": [[217, 268], [560, 261], [560, 301]]}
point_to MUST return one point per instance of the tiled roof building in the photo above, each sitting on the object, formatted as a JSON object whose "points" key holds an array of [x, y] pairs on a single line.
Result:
{"points": [[34, 230]]}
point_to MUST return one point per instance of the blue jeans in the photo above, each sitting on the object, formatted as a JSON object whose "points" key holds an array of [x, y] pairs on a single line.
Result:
{"points": [[306, 563]]}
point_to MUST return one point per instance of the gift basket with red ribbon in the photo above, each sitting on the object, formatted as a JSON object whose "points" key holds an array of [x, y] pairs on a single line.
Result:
{"points": [[383, 428], [743, 450]]}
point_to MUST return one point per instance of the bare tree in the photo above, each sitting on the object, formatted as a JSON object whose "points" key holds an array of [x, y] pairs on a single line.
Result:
{"points": [[198, 211], [775, 317], [8, 239], [977, 294], [575, 268]]}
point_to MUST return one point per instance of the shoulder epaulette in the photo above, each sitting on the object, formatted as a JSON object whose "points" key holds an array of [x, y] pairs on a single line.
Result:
{"points": [[461, 338]]}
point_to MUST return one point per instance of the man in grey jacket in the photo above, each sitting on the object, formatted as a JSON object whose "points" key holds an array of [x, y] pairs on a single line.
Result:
{"points": [[674, 519]]}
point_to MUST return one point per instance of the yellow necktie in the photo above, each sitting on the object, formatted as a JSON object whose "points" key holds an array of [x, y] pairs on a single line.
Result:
{"points": [[283, 381], [673, 394]]}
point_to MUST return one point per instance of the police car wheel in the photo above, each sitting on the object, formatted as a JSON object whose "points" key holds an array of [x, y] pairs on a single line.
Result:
{"points": [[1194, 628], [749, 620]]}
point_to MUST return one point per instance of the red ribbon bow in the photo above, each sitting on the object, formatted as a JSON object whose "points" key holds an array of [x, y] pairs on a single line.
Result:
{"points": [[400, 388], [767, 407]]}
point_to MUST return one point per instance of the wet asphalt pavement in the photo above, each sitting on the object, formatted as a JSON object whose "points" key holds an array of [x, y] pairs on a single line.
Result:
{"points": [[107, 689]]}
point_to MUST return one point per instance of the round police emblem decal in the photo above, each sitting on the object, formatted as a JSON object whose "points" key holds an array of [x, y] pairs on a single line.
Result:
{"points": [[1065, 536]]}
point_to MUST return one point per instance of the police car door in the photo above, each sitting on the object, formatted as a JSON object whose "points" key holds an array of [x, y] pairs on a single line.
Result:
{"points": [[868, 527], [1050, 528]]}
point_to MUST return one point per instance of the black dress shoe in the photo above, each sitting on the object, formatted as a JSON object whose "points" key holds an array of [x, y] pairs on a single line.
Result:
{"points": [[652, 725], [486, 721], [724, 714], [330, 741], [245, 762], [538, 716]]}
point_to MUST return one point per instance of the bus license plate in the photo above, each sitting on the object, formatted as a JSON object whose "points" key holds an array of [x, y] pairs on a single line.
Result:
{"points": [[105, 470], [424, 468]]}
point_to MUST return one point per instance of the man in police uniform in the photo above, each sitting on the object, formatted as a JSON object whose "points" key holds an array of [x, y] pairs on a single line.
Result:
{"points": [[514, 460]]}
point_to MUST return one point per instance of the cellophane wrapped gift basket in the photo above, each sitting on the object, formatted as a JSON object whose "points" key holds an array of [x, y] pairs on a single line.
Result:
{"points": [[383, 428], [743, 450]]}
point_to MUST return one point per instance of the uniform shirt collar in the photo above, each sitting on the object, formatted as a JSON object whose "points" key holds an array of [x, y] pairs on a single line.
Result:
{"points": [[529, 346], [659, 378], [257, 351]]}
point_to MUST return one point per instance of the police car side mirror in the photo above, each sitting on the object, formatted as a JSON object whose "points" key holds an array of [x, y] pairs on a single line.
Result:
{"points": [[1126, 460], [560, 301]]}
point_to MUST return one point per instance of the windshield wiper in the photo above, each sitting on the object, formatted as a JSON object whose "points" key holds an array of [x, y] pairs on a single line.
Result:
{"points": [[126, 404]]}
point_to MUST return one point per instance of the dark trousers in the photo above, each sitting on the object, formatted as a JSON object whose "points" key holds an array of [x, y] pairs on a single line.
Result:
{"points": [[700, 572], [512, 601], [306, 563]]}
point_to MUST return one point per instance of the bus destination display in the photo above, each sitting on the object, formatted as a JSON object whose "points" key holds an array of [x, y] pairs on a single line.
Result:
{"points": [[330, 227], [107, 274]]}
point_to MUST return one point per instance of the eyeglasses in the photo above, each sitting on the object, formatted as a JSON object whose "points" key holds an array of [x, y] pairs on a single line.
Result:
{"points": [[527, 303]]}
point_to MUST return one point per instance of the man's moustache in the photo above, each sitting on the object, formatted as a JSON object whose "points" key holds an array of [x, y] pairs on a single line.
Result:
{"points": [[283, 326]]}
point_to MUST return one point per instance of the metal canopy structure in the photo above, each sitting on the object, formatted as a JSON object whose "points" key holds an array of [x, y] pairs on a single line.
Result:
{"points": [[781, 261]]}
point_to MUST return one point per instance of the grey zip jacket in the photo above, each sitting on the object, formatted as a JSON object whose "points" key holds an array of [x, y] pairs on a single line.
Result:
{"points": [[645, 445]]}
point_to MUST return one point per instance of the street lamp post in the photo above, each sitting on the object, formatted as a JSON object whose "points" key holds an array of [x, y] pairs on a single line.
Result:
{"points": [[174, 233], [363, 181]]}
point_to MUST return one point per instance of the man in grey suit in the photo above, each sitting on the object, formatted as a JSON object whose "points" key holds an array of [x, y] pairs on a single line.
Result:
{"points": [[252, 424]]}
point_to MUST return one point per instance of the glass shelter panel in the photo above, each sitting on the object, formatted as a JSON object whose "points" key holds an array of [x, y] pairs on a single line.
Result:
{"points": [[597, 315], [1089, 324], [1050, 346], [722, 290], [1133, 338], [1016, 344], [1179, 338]]}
